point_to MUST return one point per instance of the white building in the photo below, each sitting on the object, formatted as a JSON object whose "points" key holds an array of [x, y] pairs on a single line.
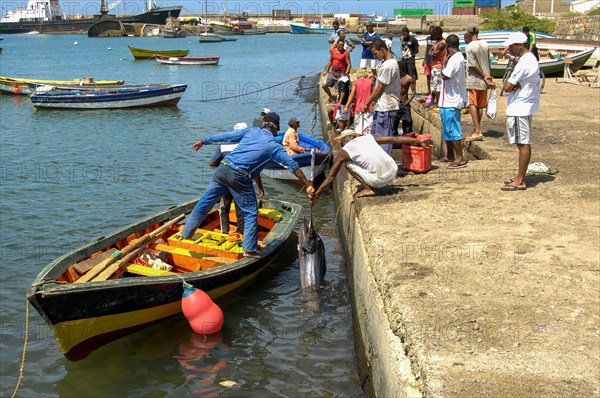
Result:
{"points": [[584, 6]]}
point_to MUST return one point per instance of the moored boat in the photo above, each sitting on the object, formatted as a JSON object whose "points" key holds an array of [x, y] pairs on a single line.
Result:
{"points": [[311, 28], [113, 98], [209, 37], [142, 53], [304, 160], [88, 302], [19, 85], [186, 60], [238, 26], [47, 17], [552, 59]]}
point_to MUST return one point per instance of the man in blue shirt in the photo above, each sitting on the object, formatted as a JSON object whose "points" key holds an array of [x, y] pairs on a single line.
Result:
{"points": [[235, 174]]}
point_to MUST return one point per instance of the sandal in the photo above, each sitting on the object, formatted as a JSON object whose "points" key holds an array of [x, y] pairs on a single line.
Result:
{"points": [[510, 187], [252, 255]]}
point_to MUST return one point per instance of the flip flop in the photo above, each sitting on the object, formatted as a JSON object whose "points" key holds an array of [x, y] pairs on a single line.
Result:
{"points": [[509, 181], [475, 138], [454, 166], [509, 188]]}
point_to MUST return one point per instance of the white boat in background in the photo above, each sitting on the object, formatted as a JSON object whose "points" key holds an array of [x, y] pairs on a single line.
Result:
{"points": [[186, 60], [313, 27]]}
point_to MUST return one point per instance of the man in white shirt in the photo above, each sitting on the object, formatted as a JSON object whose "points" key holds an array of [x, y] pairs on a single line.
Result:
{"points": [[453, 98], [523, 88], [366, 161], [386, 94]]}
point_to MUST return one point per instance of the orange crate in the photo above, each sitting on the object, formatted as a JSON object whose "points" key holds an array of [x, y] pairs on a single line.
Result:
{"points": [[415, 158]]}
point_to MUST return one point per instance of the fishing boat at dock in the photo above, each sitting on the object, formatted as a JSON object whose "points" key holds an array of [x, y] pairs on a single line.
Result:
{"points": [[22, 86], [552, 59], [47, 17], [109, 287], [319, 149], [112, 98], [142, 53], [186, 60]]}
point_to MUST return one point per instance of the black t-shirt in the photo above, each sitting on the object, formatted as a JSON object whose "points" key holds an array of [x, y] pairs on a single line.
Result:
{"points": [[410, 46], [430, 43], [343, 86]]}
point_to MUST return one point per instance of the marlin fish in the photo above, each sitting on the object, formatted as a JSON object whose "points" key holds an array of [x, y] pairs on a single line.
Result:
{"points": [[311, 257]]}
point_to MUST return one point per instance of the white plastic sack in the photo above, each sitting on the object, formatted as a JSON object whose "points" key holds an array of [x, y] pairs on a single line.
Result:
{"points": [[491, 107]]}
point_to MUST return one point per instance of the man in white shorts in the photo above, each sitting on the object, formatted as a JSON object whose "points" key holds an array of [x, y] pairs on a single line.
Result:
{"points": [[367, 59], [366, 161], [523, 88], [343, 89]]}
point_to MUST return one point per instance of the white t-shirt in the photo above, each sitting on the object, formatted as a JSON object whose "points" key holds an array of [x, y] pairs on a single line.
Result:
{"points": [[370, 161], [454, 89], [389, 74], [526, 100]]}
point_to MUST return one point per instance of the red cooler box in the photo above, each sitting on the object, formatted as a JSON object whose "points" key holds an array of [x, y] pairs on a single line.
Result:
{"points": [[415, 158]]}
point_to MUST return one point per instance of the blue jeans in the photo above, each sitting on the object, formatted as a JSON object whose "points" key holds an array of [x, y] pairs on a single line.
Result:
{"points": [[225, 179]]}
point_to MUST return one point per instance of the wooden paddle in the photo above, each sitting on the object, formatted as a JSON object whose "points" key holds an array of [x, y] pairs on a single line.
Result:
{"points": [[133, 248]]}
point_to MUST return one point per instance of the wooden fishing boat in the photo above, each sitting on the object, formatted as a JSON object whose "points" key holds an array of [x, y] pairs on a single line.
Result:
{"points": [[311, 28], [208, 37], [141, 53], [19, 85], [186, 60], [304, 160], [552, 59], [112, 98], [103, 290], [237, 26]]}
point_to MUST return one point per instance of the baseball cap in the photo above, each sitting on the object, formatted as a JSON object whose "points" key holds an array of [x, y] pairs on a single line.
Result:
{"points": [[240, 126], [273, 117], [293, 120], [516, 38], [472, 29], [265, 111]]}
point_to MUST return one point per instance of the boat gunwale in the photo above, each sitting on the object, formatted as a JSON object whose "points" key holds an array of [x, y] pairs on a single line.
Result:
{"points": [[44, 283]]}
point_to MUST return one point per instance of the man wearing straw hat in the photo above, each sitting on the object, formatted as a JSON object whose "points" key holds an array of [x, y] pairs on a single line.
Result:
{"points": [[367, 161]]}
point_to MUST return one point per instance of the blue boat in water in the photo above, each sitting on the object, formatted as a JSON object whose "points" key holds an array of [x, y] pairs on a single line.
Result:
{"points": [[127, 96], [304, 160], [312, 27]]}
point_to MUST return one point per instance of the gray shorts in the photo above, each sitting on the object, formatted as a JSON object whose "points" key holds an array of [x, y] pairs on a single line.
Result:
{"points": [[518, 129]]}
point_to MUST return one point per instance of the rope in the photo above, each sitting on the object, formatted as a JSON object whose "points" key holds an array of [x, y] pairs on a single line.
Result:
{"points": [[24, 349], [255, 92]]}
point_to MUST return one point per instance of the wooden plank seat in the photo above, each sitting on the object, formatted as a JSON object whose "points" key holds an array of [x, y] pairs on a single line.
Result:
{"points": [[191, 260]]}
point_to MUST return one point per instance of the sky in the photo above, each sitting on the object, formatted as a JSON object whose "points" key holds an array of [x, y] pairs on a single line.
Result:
{"points": [[382, 7]]}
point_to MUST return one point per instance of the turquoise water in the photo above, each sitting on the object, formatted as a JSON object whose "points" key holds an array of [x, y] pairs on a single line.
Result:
{"points": [[69, 176]]}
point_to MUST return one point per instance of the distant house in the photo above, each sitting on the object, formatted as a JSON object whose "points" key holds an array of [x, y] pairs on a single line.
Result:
{"points": [[544, 7], [584, 6]]}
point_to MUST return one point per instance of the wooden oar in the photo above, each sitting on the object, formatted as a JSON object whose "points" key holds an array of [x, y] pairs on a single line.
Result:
{"points": [[134, 247]]}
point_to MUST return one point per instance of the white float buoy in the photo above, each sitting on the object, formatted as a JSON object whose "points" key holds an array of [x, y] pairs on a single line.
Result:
{"points": [[75, 43], [109, 48]]}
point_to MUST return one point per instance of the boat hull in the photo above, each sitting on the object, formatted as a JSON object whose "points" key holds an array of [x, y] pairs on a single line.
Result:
{"points": [[20, 86], [303, 29], [304, 160], [549, 67], [156, 16], [86, 316], [209, 38], [112, 99], [186, 61], [142, 53]]}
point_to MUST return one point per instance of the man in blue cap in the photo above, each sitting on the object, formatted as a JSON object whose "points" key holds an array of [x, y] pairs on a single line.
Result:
{"points": [[235, 174]]}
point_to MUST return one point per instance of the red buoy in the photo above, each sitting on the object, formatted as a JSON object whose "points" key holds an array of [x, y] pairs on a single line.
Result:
{"points": [[16, 90], [204, 316]]}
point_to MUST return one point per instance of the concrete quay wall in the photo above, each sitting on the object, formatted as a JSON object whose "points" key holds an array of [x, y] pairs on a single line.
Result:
{"points": [[460, 289]]}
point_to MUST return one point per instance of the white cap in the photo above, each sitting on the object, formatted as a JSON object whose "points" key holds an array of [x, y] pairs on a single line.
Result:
{"points": [[240, 126], [516, 38], [265, 111], [388, 43]]}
